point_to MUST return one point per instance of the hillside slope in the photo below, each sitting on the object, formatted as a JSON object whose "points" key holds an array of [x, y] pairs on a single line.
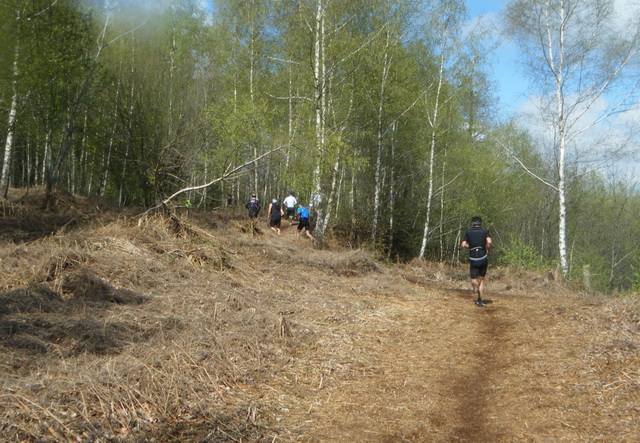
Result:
{"points": [[115, 327]]}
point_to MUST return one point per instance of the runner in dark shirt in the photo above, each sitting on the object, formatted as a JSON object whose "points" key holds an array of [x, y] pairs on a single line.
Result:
{"points": [[478, 241], [275, 213], [253, 205]]}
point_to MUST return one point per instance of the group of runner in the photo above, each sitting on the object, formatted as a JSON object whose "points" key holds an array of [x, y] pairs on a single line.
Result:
{"points": [[477, 239], [275, 211]]}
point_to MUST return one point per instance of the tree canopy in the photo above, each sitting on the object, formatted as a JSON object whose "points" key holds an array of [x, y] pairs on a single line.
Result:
{"points": [[380, 112]]}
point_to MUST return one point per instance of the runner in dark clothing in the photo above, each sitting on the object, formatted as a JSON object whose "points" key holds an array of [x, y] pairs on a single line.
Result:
{"points": [[253, 205], [275, 213], [478, 241]]}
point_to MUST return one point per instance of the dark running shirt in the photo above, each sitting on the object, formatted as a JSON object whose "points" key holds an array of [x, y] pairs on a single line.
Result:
{"points": [[477, 240], [254, 203], [275, 211]]}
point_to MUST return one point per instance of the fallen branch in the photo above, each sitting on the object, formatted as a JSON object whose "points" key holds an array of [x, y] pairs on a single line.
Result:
{"points": [[224, 176]]}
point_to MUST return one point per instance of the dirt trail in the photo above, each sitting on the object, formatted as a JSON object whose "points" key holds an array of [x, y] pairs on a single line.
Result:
{"points": [[216, 331], [430, 366]]}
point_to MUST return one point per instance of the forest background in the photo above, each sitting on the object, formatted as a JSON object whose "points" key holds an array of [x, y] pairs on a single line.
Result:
{"points": [[381, 112]]}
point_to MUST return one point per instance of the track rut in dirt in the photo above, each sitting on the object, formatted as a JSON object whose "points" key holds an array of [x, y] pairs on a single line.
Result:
{"points": [[437, 368]]}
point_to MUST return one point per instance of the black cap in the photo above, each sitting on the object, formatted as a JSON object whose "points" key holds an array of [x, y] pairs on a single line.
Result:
{"points": [[475, 220]]}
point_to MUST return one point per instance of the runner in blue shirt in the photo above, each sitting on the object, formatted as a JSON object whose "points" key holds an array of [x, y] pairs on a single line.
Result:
{"points": [[303, 216]]}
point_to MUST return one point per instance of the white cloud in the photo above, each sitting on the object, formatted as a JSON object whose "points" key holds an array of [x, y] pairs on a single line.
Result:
{"points": [[624, 11], [612, 144]]}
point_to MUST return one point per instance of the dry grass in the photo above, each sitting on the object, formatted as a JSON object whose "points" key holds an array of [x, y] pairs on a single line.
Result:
{"points": [[202, 328]]}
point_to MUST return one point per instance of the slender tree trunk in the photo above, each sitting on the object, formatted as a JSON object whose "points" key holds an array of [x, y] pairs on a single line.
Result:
{"points": [[433, 121], [352, 204], [380, 137], [132, 91], [319, 83], [332, 192], [46, 158], [172, 68], [290, 127], [392, 188], [26, 180], [13, 113], [123, 175], [442, 201], [562, 140], [203, 200], [255, 171], [339, 191], [107, 162]]}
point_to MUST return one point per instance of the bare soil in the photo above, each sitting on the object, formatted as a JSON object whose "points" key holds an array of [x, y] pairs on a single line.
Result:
{"points": [[116, 327]]}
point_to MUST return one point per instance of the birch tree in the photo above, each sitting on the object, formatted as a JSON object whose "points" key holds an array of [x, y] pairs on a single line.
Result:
{"points": [[582, 68], [446, 22], [13, 111], [319, 105]]}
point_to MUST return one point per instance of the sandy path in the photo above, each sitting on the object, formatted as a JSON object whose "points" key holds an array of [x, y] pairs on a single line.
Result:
{"points": [[431, 366]]}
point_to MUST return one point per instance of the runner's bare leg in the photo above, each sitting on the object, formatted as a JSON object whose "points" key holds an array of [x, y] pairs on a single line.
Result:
{"points": [[480, 288]]}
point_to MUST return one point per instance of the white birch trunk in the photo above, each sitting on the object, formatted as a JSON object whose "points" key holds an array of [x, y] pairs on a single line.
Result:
{"points": [[433, 121], [132, 92], [290, 129], [380, 136], [255, 170], [27, 166], [392, 187], [46, 158], [319, 123], [13, 113], [339, 190], [442, 201], [562, 203], [76, 163], [107, 162], [352, 204], [332, 192], [172, 51], [557, 66]]}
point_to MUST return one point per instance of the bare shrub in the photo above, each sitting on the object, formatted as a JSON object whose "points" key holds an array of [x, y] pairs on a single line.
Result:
{"points": [[84, 285], [33, 298]]}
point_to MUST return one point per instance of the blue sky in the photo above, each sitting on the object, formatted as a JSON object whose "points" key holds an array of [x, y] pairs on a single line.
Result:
{"points": [[509, 80], [477, 7], [512, 85], [508, 76]]}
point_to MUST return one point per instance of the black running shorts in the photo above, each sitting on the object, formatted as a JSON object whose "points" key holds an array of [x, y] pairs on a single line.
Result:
{"points": [[478, 267], [304, 224]]}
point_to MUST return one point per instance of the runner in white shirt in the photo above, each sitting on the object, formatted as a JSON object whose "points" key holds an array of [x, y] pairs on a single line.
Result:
{"points": [[290, 204]]}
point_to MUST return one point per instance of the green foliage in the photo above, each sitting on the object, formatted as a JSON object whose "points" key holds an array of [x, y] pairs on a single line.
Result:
{"points": [[180, 95], [519, 254], [635, 287]]}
